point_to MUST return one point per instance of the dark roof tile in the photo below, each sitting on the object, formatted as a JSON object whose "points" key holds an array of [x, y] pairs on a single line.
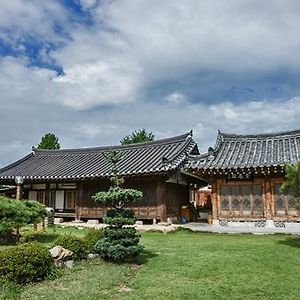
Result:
{"points": [[238, 151], [142, 158]]}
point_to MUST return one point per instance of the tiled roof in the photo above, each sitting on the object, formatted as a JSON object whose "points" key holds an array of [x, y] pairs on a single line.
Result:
{"points": [[144, 158], [249, 151]]}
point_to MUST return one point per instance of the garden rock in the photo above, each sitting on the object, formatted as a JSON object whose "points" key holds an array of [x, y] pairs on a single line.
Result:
{"points": [[58, 220], [93, 255], [59, 253], [55, 251], [69, 264], [93, 222]]}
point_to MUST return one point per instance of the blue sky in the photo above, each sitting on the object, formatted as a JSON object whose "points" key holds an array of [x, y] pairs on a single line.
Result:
{"points": [[93, 71]]}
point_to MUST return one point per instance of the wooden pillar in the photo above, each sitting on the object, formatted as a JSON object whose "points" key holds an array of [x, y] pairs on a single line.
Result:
{"points": [[268, 205], [19, 180], [214, 199], [79, 200], [47, 194], [161, 196], [19, 192], [272, 199]]}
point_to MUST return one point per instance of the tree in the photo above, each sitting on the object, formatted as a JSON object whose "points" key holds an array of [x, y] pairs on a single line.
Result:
{"points": [[292, 179], [138, 136], [49, 141], [118, 243], [16, 214]]}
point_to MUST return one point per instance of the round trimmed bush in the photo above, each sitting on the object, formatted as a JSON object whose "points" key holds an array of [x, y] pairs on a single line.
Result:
{"points": [[73, 243], [116, 213], [25, 263], [91, 237], [119, 217], [119, 244], [30, 236]]}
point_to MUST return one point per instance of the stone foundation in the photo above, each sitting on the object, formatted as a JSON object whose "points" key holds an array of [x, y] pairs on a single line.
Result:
{"points": [[257, 224]]}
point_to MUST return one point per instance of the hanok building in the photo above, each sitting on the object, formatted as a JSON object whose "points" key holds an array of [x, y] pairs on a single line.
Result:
{"points": [[66, 179], [246, 173]]}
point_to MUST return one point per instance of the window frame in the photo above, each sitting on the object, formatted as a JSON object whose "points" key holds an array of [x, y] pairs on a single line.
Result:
{"points": [[236, 191]]}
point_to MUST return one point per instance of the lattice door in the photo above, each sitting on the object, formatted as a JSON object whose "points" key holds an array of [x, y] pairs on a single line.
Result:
{"points": [[285, 204]]}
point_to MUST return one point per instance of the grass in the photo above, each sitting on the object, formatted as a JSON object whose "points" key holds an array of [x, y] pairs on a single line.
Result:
{"points": [[184, 265]]}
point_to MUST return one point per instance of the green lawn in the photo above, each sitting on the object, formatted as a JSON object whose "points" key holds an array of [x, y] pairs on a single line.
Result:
{"points": [[185, 265]]}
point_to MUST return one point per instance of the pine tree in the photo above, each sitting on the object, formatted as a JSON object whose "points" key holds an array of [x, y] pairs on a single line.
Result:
{"points": [[292, 179], [49, 141], [138, 136], [118, 243]]}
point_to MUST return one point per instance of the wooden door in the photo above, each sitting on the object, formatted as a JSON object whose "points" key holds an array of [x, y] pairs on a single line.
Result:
{"points": [[60, 200]]}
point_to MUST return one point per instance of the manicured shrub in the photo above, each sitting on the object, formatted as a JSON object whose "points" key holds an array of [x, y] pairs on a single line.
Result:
{"points": [[120, 217], [117, 251], [118, 213], [119, 243], [15, 214], [25, 263], [91, 237], [30, 236], [73, 243]]}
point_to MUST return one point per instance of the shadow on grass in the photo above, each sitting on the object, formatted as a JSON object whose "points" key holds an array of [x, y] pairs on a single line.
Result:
{"points": [[181, 229], [291, 241], [142, 259], [47, 238]]}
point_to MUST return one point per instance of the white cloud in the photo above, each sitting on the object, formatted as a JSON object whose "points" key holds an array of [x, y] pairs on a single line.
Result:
{"points": [[36, 19], [81, 87], [88, 4], [92, 131], [245, 118], [166, 120], [102, 82], [206, 35], [20, 85], [176, 98], [23, 123], [134, 47]]}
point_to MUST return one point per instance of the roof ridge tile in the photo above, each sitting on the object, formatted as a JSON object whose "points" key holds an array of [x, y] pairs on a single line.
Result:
{"points": [[87, 163], [164, 141], [228, 152]]}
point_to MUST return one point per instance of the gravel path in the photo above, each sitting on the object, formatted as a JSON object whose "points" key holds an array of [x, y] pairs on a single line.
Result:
{"points": [[202, 227]]}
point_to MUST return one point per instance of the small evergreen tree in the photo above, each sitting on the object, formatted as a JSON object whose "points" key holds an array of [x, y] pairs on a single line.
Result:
{"points": [[118, 243], [292, 179], [49, 141], [138, 136], [16, 214]]}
